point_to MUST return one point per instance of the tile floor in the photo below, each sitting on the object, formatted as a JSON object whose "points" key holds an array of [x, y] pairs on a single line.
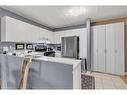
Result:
{"points": [[107, 81], [124, 78]]}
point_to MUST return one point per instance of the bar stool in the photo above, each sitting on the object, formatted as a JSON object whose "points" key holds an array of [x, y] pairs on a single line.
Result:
{"points": [[24, 72]]}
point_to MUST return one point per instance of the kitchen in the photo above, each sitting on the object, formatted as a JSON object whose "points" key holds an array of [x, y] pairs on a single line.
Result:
{"points": [[73, 55]]}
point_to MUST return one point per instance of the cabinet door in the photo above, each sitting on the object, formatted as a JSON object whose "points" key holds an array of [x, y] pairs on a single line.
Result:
{"points": [[94, 49], [101, 47], [18, 31], [119, 48], [98, 48], [57, 38], [13, 29], [110, 47]]}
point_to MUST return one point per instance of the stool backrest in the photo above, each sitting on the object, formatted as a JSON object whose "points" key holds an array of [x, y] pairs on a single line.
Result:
{"points": [[24, 73]]}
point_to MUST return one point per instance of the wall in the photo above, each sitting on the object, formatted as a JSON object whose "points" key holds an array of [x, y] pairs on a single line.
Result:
{"points": [[125, 32], [82, 33], [11, 46]]}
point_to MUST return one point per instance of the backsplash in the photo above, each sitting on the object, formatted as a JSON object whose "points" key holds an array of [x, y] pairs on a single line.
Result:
{"points": [[11, 46]]}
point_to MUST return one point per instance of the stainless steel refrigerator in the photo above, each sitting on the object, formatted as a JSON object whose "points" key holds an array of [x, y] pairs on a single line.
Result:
{"points": [[70, 47]]}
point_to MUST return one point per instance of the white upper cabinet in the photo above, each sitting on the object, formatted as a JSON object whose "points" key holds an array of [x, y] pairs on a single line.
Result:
{"points": [[14, 30], [57, 37], [43, 33]]}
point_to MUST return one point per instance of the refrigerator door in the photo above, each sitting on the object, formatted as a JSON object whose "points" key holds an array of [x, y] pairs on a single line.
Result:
{"points": [[69, 47], [63, 47]]}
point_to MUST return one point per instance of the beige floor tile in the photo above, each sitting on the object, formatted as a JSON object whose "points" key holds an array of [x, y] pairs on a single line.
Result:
{"points": [[106, 76], [98, 85], [95, 74], [108, 84], [119, 83], [98, 80]]}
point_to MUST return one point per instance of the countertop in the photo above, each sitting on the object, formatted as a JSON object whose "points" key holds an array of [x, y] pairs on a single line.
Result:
{"points": [[61, 60], [69, 61]]}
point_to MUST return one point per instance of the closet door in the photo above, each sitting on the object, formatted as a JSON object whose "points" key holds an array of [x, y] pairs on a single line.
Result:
{"points": [[98, 48], [110, 47], [119, 48], [94, 48], [101, 47]]}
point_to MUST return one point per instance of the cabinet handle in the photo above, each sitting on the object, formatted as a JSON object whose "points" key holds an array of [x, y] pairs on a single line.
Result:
{"points": [[115, 51], [106, 50]]}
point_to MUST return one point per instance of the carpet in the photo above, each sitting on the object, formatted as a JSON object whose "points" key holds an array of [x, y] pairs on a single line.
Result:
{"points": [[88, 82]]}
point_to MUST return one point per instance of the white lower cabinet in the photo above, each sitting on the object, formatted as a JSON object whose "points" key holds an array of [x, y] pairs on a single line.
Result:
{"points": [[108, 48]]}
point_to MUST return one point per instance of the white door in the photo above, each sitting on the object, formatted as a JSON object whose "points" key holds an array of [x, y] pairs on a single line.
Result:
{"points": [[119, 48], [110, 47], [98, 48], [101, 48], [94, 49]]}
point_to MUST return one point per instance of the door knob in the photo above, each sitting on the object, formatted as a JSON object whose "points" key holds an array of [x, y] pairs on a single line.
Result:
{"points": [[115, 51], [106, 50]]}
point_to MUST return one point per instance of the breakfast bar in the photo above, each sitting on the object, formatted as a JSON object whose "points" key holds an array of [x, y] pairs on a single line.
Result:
{"points": [[45, 72]]}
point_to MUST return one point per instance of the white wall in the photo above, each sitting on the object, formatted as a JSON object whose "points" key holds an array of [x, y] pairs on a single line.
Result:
{"points": [[82, 33]]}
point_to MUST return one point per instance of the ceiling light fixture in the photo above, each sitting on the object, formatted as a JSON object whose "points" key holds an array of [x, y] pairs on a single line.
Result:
{"points": [[76, 11]]}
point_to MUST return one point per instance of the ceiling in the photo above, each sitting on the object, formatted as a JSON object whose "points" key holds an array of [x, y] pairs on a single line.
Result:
{"points": [[58, 16]]}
